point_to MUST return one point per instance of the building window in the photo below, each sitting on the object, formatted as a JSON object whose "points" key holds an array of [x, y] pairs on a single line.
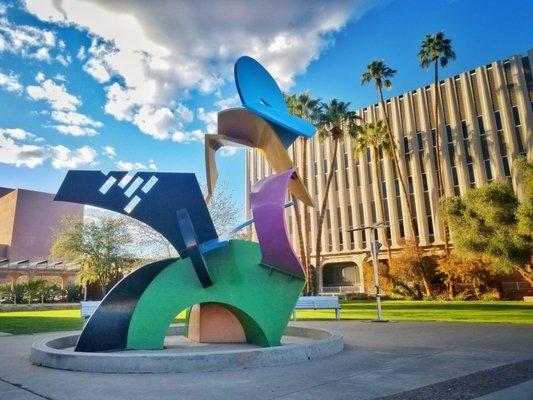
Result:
{"points": [[420, 141], [464, 129], [449, 134], [518, 131]]}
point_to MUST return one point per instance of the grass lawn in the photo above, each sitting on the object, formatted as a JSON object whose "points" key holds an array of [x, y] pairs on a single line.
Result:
{"points": [[514, 312], [46, 321], [458, 311]]}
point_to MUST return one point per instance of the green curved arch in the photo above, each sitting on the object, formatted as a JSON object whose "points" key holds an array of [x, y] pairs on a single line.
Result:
{"points": [[260, 297]]}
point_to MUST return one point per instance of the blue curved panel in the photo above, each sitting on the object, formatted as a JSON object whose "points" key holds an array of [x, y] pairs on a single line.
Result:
{"points": [[260, 94], [107, 329], [150, 197]]}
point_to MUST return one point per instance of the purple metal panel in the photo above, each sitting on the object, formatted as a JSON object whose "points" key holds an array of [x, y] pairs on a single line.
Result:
{"points": [[267, 199]]}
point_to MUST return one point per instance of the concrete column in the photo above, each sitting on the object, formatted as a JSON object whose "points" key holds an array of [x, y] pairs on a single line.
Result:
{"points": [[457, 132], [506, 112], [415, 171], [430, 166], [396, 127], [471, 118], [522, 99], [443, 141], [388, 174], [487, 109]]}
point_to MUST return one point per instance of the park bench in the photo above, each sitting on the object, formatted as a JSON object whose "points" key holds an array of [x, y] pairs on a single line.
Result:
{"points": [[88, 308], [317, 303]]}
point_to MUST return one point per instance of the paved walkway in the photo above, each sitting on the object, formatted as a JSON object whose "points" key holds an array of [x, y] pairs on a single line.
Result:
{"points": [[393, 361]]}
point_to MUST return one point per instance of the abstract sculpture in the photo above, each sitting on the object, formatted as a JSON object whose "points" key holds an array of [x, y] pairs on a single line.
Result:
{"points": [[247, 288]]}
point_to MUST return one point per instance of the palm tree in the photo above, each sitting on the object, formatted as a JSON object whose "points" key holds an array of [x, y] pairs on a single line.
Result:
{"points": [[381, 74], [374, 136], [436, 49], [304, 106], [335, 122]]}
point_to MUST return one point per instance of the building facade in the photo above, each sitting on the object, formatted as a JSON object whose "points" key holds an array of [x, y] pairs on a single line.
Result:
{"points": [[486, 122], [28, 220]]}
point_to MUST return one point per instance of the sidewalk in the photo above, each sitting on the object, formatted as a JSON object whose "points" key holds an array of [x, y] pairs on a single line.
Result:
{"points": [[379, 360]]}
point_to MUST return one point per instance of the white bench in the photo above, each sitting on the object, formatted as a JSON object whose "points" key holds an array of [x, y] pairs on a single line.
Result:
{"points": [[88, 308], [316, 303]]}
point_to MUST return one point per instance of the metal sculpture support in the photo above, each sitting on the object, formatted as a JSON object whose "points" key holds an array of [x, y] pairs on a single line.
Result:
{"points": [[257, 283]]}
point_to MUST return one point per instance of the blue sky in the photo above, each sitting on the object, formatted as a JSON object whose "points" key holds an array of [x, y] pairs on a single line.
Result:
{"points": [[133, 84]]}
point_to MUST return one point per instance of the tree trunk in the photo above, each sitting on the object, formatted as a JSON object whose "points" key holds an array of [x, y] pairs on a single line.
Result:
{"points": [[300, 234], [104, 289], [396, 164], [440, 180], [307, 223], [527, 273], [427, 285], [377, 177], [324, 205], [298, 217]]}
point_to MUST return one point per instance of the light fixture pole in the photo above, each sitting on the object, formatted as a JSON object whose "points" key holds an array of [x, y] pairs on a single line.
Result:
{"points": [[374, 253]]}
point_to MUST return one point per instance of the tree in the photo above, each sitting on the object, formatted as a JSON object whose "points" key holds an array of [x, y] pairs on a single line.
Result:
{"points": [[146, 243], [434, 50], [374, 136], [485, 222], [381, 74], [99, 246], [411, 265], [474, 271], [335, 122], [304, 106]]}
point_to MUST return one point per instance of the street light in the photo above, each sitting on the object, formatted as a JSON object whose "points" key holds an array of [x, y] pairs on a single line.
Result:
{"points": [[374, 252]]}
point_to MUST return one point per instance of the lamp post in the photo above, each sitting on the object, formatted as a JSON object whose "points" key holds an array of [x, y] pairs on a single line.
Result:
{"points": [[374, 252]]}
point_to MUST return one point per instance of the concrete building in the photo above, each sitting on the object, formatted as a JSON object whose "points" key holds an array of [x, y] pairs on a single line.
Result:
{"points": [[486, 122], [28, 220]]}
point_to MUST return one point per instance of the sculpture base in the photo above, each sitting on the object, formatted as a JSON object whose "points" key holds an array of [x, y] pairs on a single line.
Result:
{"points": [[212, 323], [299, 345]]}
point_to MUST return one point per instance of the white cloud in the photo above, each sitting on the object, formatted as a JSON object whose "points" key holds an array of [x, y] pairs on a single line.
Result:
{"points": [[228, 102], [81, 54], [14, 152], [129, 166], [209, 119], [63, 157], [17, 133], [64, 60], [75, 130], [184, 113], [55, 95], [155, 122], [192, 48], [187, 137], [74, 118], [228, 151], [109, 151], [152, 165], [10, 82], [27, 41]]}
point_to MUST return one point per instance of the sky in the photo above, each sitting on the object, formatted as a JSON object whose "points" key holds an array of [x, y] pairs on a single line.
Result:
{"points": [[131, 84]]}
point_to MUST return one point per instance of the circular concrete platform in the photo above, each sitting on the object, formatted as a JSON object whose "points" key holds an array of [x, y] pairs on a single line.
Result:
{"points": [[181, 355]]}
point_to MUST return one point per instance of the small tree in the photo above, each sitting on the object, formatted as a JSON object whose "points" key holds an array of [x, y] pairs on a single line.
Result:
{"points": [[486, 222], [99, 246], [411, 265], [472, 271]]}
